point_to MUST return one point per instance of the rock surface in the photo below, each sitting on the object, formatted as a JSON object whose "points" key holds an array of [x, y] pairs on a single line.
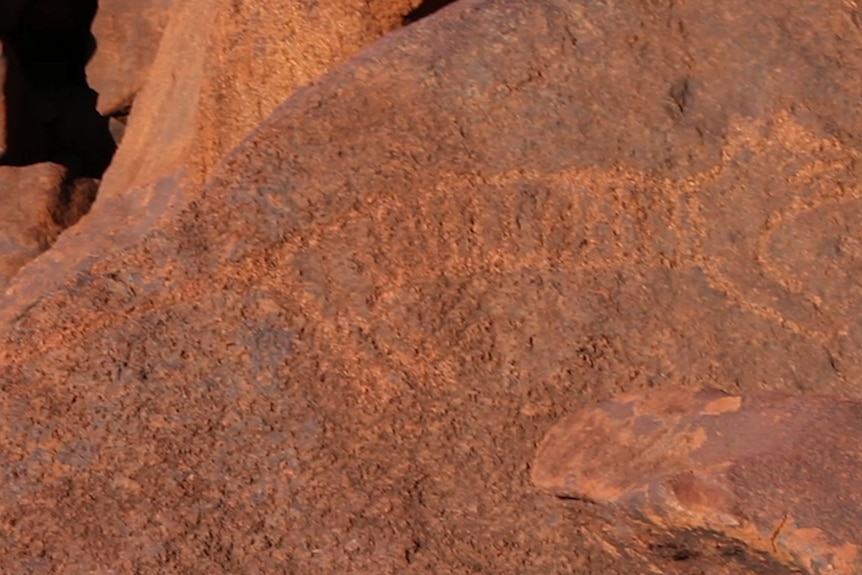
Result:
{"points": [[773, 477], [223, 66], [30, 200], [340, 355], [47, 116], [128, 33]]}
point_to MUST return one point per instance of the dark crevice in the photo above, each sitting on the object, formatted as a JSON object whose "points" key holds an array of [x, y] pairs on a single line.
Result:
{"points": [[426, 8], [117, 123], [76, 197], [50, 109]]}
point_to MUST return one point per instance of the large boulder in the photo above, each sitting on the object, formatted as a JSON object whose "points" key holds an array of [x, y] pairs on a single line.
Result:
{"points": [[340, 354]]}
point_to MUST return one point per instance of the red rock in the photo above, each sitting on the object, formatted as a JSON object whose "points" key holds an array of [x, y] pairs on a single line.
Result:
{"points": [[223, 66], [339, 355], [217, 74], [29, 203], [127, 36], [776, 474]]}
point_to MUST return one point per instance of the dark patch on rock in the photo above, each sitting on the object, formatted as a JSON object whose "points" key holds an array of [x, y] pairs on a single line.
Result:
{"points": [[426, 8]]}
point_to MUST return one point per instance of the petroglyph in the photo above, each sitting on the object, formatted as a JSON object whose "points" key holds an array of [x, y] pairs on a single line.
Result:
{"points": [[736, 224]]}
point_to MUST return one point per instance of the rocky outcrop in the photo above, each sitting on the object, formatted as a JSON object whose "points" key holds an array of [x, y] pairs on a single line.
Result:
{"points": [[29, 197], [127, 35], [340, 353], [223, 66], [54, 146], [762, 481], [219, 70]]}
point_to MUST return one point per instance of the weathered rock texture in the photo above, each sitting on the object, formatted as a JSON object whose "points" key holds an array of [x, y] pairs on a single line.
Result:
{"points": [[222, 67], [772, 477], [23, 140], [340, 356], [47, 116], [30, 198], [37, 202], [128, 34]]}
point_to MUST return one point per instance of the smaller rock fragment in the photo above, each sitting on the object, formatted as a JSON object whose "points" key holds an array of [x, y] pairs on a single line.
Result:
{"points": [[29, 200], [772, 477], [127, 35], [37, 203]]}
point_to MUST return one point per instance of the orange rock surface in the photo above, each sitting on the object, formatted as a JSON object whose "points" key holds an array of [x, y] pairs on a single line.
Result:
{"points": [[772, 477], [341, 279]]}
